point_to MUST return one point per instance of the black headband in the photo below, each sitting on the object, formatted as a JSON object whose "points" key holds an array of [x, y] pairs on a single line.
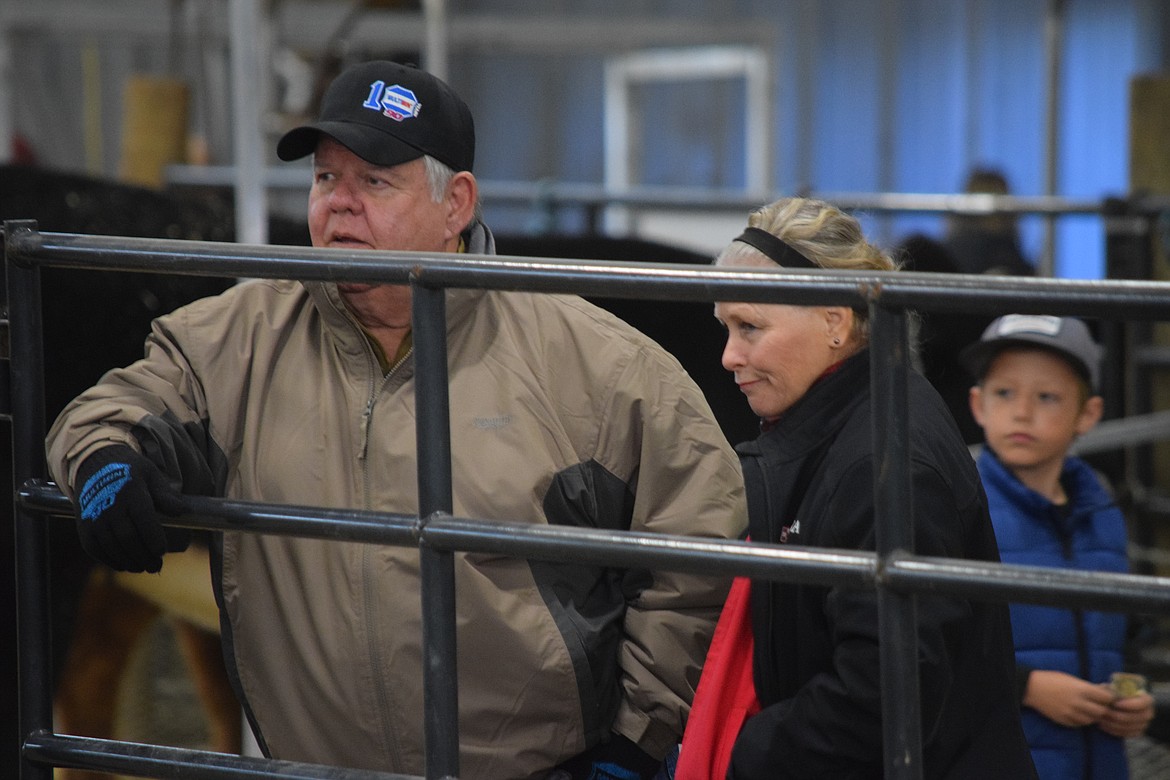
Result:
{"points": [[776, 250]]}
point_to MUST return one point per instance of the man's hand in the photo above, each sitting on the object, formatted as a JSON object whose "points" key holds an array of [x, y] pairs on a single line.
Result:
{"points": [[1065, 699], [1128, 716], [118, 495]]}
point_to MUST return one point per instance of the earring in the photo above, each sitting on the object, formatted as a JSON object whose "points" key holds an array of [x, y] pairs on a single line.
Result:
{"points": [[836, 341]]}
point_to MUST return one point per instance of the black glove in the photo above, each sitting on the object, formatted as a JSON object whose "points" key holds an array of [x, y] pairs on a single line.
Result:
{"points": [[118, 494], [617, 759]]}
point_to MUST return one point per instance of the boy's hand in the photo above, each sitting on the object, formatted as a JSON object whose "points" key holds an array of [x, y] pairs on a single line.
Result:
{"points": [[1128, 717], [1066, 699]]}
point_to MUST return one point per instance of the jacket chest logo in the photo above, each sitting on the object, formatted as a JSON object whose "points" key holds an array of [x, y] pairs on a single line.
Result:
{"points": [[492, 423], [789, 530]]}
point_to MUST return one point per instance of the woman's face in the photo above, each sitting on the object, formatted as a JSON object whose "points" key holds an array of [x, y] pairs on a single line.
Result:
{"points": [[777, 351]]}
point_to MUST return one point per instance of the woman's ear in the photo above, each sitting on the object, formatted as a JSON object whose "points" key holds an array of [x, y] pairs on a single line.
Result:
{"points": [[839, 324]]}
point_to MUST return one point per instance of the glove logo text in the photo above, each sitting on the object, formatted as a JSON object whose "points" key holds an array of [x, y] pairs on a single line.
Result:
{"points": [[100, 490]]}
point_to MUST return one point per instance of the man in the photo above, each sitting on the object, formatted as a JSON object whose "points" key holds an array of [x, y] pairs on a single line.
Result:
{"points": [[304, 394]]}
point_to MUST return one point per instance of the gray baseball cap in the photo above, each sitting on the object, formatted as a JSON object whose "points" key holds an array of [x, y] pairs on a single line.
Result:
{"points": [[1066, 336]]}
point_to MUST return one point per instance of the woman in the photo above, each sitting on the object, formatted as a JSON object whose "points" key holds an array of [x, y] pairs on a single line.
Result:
{"points": [[805, 372]]}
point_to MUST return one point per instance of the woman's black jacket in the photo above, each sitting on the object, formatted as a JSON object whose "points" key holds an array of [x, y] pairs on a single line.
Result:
{"points": [[810, 482]]}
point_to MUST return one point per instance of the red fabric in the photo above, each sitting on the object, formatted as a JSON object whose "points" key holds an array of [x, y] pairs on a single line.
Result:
{"points": [[726, 696]]}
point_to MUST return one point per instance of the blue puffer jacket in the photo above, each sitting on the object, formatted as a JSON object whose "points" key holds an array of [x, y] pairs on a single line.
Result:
{"points": [[1091, 534]]}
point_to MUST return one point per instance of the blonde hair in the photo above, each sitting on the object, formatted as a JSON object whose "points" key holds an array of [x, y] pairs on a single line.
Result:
{"points": [[824, 234]]}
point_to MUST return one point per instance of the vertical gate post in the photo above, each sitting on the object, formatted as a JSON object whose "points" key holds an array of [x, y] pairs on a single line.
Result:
{"points": [[31, 543], [433, 429], [894, 529]]}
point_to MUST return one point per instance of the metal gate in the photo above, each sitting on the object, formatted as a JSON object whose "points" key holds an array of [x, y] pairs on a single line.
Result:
{"points": [[894, 571]]}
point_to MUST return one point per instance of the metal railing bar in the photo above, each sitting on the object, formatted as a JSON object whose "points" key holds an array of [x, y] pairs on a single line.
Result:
{"points": [[634, 549], [621, 549], [33, 631], [850, 568], [1096, 590], [563, 194], [436, 565], [131, 758], [894, 530], [225, 514], [630, 549], [1152, 356], [1123, 432], [1122, 299]]}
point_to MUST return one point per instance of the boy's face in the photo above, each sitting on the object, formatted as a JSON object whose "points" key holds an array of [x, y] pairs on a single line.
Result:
{"points": [[1031, 407]]}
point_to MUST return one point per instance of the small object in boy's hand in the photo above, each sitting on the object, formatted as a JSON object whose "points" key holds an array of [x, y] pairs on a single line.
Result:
{"points": [[1125, 684]]}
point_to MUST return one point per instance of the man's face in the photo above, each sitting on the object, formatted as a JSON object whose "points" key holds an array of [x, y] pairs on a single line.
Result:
{"points": [[354, 204]]}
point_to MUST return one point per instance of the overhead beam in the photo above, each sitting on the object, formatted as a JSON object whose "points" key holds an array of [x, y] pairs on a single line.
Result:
{"points": [[306, 24]]}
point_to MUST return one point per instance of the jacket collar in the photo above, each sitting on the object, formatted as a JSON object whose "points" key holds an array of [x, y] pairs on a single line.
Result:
{"points": [[1085, 492], [477, 239], [818, 415]]}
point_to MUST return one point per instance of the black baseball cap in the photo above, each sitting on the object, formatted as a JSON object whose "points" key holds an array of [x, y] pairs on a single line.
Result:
{"points": [[388, 114], [1066, 336]]}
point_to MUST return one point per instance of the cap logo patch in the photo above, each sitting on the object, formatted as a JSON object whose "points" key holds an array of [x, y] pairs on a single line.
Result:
{"points": [[396, 101], [1028, 323]]}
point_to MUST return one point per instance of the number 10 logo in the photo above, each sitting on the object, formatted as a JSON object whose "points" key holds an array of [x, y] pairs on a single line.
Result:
{"points": [[396, 102]]}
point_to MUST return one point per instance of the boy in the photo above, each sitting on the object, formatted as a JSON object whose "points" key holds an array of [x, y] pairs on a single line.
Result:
{"points": [[1037, 382]]}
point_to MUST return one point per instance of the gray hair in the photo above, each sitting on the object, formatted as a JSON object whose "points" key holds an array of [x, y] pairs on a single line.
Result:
{"points": [[439, 176]]}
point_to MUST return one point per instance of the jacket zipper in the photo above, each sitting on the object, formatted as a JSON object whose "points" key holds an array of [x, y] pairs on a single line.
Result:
{"points": [[765, 646], [386, 704], [367, 416], [1064, 531]]}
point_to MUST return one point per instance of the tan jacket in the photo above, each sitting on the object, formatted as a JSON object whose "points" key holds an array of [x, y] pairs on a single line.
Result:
{"points": [[559, 413]]}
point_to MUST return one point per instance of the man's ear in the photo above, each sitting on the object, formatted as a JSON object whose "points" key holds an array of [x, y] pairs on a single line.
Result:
{"points": [[462, 195], [1090, 414]]}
